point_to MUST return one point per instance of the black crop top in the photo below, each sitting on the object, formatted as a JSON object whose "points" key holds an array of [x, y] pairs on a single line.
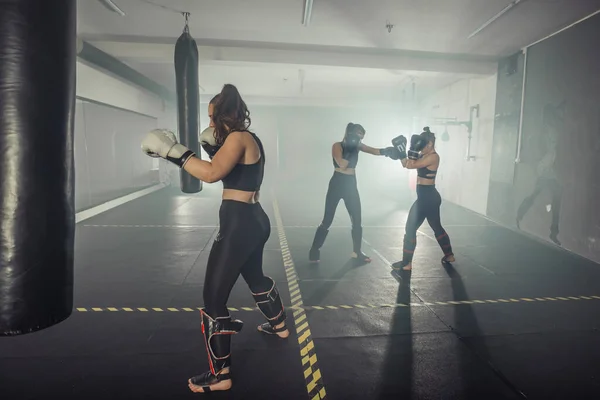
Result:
{"points": [[426, 173], [247, 177], [352, 158]]}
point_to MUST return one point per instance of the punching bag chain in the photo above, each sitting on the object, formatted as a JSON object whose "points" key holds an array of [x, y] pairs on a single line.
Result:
{"points": [[186, 28]]}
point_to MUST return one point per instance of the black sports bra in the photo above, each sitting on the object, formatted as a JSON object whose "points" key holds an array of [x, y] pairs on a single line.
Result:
{"points": [[426, 173], [247, 177], [352, 159]]}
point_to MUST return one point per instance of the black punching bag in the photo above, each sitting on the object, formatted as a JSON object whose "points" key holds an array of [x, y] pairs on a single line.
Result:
{"points": [[188, 93], [37, 99]]}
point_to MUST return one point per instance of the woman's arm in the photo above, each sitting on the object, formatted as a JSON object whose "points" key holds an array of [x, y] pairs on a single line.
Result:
{"points": [[336, 152], [370, 150], [222, 163], [426, 161]]}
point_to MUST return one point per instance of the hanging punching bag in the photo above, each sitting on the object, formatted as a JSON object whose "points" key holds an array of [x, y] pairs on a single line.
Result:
{"points": [[188, 93], [37, 99]]}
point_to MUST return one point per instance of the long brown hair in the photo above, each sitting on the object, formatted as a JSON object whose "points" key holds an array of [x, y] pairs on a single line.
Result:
{"points": [[230, 113]]}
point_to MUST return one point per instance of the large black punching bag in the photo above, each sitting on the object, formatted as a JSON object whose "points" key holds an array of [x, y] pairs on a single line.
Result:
{"points": [[37, 98], [188, 93]]}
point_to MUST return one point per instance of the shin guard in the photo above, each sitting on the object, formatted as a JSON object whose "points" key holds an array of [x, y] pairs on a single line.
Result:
{"points": [[444, 241], [270, 305], [217, 338]]}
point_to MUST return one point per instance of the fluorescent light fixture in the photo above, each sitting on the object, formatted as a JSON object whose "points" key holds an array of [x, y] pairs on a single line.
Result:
{"points": [[112, 7], [307, 12], [495, 17]]}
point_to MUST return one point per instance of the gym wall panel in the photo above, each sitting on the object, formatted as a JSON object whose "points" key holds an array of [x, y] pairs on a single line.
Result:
{"points": [[97, 85], [461, 181], [509, 90], [112, 116], [108, 159], [555, 191]]}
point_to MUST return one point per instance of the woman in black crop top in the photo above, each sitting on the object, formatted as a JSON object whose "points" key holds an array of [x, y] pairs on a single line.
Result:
{"points": [[427, 204], [237, 159], [343, 186]]}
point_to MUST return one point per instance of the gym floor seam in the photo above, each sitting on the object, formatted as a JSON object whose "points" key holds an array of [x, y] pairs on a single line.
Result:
{"points": [[350, 306], [308, 355]]}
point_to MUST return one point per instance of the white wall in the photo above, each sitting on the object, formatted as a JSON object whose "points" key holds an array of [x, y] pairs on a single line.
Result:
{"points": [[460, 181], [97, 85], [111, 118]]}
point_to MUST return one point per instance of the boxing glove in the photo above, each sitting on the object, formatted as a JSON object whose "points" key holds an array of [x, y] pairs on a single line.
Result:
{"points": [[350, 144], [399, 143], [163, 143], [417, 143], [208, 142], [391, 152]]}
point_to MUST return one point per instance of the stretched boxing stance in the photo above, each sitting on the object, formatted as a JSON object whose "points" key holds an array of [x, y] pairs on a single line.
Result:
{"points": [[422, 157], [342, 185], [237, 159]]}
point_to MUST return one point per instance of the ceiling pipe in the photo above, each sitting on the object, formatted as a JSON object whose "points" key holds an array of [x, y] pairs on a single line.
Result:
{"points": [[495, 17], [112, 7], [307, 12]]}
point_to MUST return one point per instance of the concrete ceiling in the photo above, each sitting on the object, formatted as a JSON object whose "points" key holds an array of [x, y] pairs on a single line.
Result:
{"points": [[346, 51]]}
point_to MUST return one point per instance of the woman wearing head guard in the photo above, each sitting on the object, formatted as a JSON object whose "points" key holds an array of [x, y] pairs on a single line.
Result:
{"points": [[342, 185], [422, 157], [237, 159]]}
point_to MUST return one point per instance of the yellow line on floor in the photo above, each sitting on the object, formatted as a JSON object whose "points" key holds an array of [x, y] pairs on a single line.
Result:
{"points": [[300, 317], [312, 373]]}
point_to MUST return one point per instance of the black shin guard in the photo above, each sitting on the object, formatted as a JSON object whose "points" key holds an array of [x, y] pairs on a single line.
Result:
{"points": [[217, 338], [318, 241], [270, 305]]}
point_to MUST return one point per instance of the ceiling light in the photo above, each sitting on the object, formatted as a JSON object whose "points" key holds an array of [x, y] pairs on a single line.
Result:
{"points": [[307, 12], [112, 7], [495, 17]]}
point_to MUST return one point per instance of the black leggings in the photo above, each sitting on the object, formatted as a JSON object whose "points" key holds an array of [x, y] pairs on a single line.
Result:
{"points": [[341, 186], [427, 206], [238, 249]]}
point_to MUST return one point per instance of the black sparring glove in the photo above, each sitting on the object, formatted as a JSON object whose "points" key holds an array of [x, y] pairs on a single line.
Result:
{"points": [[399, 143], [208, 142], [350, 144], [391, 152], [417, 143]]}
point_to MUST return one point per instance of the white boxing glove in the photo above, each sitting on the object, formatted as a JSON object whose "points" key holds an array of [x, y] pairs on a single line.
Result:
{"points": [[163, 143], [208, 142]]}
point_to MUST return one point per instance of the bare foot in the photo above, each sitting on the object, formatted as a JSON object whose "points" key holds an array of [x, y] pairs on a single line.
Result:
{"points": [[448, 259], [219, 386], [400, 265], [283, 334], [361, 257]]}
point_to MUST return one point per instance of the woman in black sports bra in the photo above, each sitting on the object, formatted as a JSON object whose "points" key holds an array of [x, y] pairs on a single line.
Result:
{"points": [[427, 204], [342, 185], [237, 159]]}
